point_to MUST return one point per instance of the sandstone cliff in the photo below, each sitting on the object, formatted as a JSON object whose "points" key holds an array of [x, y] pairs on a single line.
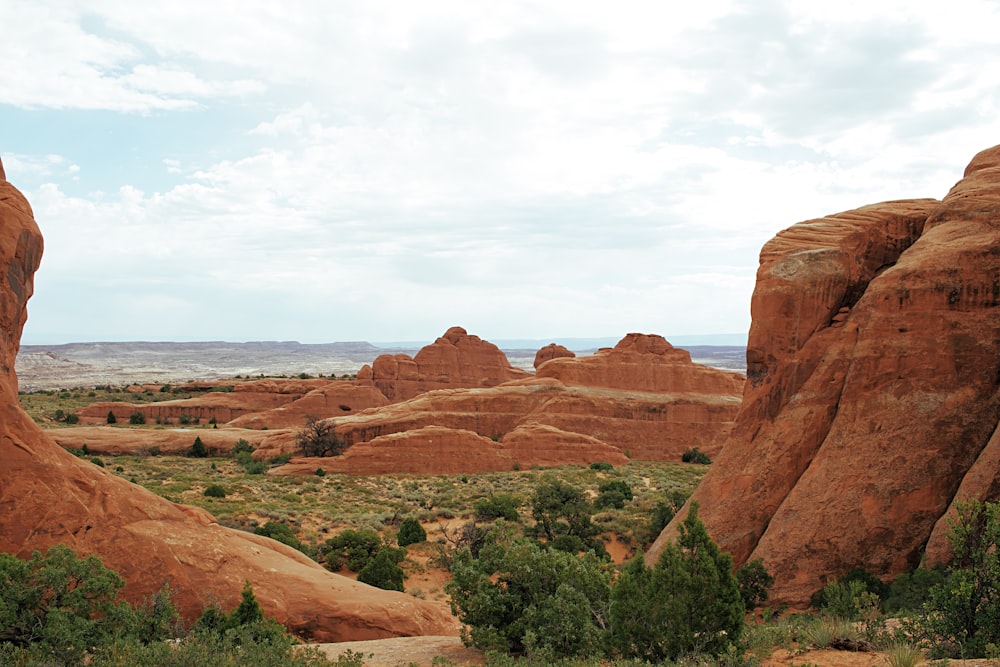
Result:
{"points": [[873, 389], [49, 496]]}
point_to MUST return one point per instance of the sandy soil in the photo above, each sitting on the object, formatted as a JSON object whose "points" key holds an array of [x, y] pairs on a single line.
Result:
{"points": [[404, 651]]}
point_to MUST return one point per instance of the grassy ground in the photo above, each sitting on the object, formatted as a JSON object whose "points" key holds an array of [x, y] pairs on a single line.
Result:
{"points": [[46, 406], [317, 507]]}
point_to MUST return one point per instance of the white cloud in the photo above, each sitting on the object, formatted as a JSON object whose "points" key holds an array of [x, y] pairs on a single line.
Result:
{"points": [[511, 166]]}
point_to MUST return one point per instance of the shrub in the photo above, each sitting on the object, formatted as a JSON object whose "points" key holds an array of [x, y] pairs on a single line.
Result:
{"points": [[962, 614], [111, 417], [320, 472], [137, 418], [411, 532], [353, 547], [318, 438], [662, 514], [58, 601], [526, 598], [689, 602], [281, 532], [97, 462], [383, 571], [601, 466], [695, 455], [215, 491], [613, 494], [198, 450], [242, 446], [498, 506], [754, 580], [911, 590]]}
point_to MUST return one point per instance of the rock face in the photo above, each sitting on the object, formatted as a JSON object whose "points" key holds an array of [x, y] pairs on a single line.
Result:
{"points": [[49, 496], [642, 362], [644, 399], [873, 390], [457, 359]]}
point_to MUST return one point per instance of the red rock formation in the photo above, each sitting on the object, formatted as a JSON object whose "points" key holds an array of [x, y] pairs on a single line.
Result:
{"points": [[177, 441], [49, 496], [642, 362], [441, 450], [551, 351], [539, 420], [454, 360], [872, 389]]}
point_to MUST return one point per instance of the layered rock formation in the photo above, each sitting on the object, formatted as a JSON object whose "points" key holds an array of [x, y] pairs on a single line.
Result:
{"points": [[873, 389], [643, 399], [551, 351], [457, 359], [48, 496]]}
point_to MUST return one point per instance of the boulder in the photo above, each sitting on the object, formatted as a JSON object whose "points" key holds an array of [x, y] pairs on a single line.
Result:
{"points": [[872, 398], [48, 496], [457, 359]]}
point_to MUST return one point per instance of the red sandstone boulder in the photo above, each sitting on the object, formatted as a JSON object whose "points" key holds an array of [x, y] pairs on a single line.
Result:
{"points": [[330, 400], [872, 399], [457, 359], [551, 351], [49, 496]]}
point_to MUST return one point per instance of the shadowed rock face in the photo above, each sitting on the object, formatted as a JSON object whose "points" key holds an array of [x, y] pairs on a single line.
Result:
{"points": [[48, 496], [872, 397]]}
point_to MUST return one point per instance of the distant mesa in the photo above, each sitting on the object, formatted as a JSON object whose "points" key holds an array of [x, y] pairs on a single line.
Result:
{"points": [[872, 400], [48, 496]]}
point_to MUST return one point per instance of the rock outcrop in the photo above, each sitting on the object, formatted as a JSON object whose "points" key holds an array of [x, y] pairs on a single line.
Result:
{"points": [[551, 351], [643, 399], [48, 496], [642, 362], [455, 360], [873, 390]]}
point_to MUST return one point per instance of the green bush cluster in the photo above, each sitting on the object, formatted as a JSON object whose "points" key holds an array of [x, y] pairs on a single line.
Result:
{"points": [[281, 532], [58, 609], [243, 453], [410, 532], [522, 597], [695, 455], [497, 506]]}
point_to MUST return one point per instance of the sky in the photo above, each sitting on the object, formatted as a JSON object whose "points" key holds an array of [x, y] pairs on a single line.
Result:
{"points": [[333, 171]]}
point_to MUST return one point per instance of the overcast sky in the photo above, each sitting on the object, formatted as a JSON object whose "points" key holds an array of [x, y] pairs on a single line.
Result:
{"points": [[328, 171]]}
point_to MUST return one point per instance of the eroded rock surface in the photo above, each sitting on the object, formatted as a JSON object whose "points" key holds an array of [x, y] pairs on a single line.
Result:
{"points": [[457, 359], [48, 496], [872, 393], [643, 399]]}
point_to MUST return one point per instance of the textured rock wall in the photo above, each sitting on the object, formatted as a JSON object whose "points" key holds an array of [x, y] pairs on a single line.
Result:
{"points": [[872, 393]]}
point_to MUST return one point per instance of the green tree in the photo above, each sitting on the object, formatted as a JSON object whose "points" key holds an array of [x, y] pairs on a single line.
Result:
{"points": [[111, 417], [963, 612], [562, 509], [198, 450], [754, 581], [383, 570], [690, 602], [411, 532], [137, 418], [497, 506], [354, 547], [58, 601], [523, 597]]}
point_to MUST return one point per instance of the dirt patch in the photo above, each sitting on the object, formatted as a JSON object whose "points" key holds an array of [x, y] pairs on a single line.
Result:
{"points": [[405, 651]]}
